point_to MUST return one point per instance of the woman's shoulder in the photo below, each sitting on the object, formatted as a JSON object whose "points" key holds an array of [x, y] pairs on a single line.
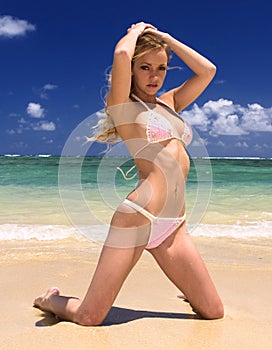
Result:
{"points": [[167, 99], [122, 112], [113, 100]]}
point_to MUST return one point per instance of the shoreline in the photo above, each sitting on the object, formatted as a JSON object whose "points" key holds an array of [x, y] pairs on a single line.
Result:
{"points": [[147, 313]]}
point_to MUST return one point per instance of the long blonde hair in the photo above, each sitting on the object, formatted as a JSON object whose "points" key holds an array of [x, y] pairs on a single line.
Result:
{"points": [[146, 43]]}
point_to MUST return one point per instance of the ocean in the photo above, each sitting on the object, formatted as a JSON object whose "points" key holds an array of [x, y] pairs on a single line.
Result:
{"points": [[53, 198]]}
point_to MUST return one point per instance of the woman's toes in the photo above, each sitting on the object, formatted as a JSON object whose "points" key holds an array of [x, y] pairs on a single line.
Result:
{"points": [[42, 301]]}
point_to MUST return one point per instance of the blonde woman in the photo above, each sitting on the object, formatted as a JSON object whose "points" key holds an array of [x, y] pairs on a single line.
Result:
{"points": [[152, 217]]}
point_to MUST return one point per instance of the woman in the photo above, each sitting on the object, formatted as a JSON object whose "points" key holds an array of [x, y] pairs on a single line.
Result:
{"points": [[152, 217]]}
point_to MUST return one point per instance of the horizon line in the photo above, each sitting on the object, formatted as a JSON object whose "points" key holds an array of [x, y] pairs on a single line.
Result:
{"points": [[78, 156]]}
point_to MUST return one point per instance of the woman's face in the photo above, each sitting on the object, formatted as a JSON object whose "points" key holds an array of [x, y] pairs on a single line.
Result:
{"points": [[148, 73]]}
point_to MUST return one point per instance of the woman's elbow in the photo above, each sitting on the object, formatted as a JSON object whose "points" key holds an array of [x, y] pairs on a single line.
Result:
{"points": [[122, 53], [211, 70], [208, 73]]}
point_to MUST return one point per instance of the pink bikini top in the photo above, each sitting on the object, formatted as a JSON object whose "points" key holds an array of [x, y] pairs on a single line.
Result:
{"points": [[159, 129]]}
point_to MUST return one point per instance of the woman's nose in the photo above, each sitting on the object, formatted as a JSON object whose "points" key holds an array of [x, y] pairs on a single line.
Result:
{"points": [[153, 74]]}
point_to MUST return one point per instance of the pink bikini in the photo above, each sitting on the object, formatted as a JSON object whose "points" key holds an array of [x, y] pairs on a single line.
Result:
{"points": [[159, 129]]}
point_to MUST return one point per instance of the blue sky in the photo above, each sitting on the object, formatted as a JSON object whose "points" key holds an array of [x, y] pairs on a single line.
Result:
{"points": [[54, 55]]}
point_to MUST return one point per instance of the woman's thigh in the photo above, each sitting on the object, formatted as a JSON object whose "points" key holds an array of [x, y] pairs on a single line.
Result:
{"points": [[121, 251], [180, 260], [128, 228]]}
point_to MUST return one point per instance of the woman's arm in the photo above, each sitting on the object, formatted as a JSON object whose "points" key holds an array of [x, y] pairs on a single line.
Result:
{"points": [[121, 68], [204, 70]]}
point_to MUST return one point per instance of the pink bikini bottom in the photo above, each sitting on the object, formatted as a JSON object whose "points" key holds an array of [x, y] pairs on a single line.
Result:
{"points": [[161, 228]]}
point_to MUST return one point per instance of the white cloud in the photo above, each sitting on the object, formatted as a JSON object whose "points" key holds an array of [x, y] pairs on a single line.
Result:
{"points": [[222, 105], [220, 144], [241, 144], [11, 27], [35, 110], [197, 117], [44, 126], [25, 125], [199, 142], [50, 87], [219, 82], [256, 118], [258, 147], [227, 125], [14, 115], [10, 131], [223, 117], [45, 88], [49, 142]]}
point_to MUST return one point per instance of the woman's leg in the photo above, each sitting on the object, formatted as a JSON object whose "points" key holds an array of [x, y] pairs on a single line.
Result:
{"points": [[113, 267], [180, 260]]}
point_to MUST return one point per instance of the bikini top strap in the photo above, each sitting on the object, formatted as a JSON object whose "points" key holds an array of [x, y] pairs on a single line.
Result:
{"points": [[157, 99], [142, 102], [165, 104], [160, 102], [168, 106]]}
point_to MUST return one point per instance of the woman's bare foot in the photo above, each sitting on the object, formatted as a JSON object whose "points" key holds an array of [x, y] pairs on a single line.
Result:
{"points": [[42, 302]]}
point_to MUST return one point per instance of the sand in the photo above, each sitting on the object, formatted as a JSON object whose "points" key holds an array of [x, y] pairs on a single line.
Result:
{"points": [[147, 313]]}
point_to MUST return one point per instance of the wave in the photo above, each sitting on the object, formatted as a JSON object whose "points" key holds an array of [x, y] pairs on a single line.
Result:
{"points": [[98, 233], [12, 155], [28, 156], [20, 232], [262, 229], [237, 158]]}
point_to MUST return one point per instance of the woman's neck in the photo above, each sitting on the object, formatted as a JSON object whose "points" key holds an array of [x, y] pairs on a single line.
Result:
{"points": [[144, 97]]}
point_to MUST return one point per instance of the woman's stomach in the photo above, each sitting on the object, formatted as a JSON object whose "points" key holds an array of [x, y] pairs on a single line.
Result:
{"points": [[162, 181]]}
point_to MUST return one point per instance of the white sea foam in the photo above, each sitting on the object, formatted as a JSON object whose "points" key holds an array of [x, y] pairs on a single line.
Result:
{"points": [[10, 232], [11, 155], [262, 229], [97, 233]]}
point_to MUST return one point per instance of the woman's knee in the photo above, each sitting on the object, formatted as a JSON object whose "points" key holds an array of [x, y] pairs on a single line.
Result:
{"points": [[87, 318], [214, 312]]}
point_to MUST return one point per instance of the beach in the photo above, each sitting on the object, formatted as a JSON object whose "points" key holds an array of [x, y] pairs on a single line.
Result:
{"points": [[54, 217], [147, 313]]}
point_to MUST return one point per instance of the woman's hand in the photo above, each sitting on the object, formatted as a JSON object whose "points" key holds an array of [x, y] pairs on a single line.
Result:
{"points": [[161, 35], [141, 27]]}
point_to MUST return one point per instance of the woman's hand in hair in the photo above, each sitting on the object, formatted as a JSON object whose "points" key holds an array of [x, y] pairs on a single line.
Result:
{"points": [[141, 27], [161, 35]]}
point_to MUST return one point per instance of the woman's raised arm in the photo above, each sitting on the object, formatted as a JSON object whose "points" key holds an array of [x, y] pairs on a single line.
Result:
{"points": [[121, 67], [181, 96]]}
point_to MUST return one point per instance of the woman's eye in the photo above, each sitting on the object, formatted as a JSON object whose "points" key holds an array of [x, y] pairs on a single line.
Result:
{"points": [[162, 68], [144, 67]]}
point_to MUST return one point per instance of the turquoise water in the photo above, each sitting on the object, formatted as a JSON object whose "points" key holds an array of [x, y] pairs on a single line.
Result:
{"points": [[53, 198]]}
